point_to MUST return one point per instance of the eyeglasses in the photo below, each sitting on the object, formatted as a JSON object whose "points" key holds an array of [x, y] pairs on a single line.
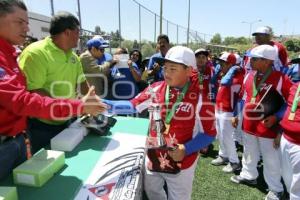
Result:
{"points": [[101, 49]]}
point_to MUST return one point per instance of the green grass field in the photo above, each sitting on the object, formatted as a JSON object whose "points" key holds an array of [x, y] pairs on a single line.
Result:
{"points": [[211, 183]]}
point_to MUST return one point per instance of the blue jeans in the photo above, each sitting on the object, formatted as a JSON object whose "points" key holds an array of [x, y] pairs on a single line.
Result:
{"points": [[41, 133], [12, 153]]}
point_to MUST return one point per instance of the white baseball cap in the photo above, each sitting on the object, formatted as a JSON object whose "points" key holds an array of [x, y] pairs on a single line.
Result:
{"points": [[263, 51], [263, 30], [201, 50], [180, 55], [228, 57], [238, 58]]}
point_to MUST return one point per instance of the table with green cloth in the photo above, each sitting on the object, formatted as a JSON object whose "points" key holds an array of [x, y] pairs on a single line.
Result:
{"points": [[80, 163]]}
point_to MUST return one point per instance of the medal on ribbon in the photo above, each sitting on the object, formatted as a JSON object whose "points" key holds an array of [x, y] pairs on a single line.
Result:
{"points": [[294, 105]]}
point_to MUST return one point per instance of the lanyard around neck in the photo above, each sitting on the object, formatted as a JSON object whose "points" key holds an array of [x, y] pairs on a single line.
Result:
{"points": [[170, 114], [265, 77], [200, 77], [296, 100]]}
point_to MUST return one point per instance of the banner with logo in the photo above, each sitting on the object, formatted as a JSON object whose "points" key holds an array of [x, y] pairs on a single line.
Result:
{"points": [[118, 173]]}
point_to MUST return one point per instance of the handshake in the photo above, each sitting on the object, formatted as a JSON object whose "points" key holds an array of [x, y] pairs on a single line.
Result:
{"points": [[92, 104]]}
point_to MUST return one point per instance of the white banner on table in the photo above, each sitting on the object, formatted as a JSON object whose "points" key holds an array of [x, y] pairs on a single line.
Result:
{"points": [[118, 173]]}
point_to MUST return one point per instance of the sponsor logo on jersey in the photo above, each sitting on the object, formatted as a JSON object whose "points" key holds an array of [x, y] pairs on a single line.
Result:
{"points": [[184, 107]]}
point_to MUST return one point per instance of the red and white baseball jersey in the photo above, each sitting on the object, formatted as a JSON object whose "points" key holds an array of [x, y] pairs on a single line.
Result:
{"points": [[207, 86], [182, 125], [278, 81], [205, 111], [291, 128], [228, 96]]}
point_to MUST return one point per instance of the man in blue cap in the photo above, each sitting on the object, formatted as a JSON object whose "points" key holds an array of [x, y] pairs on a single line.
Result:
{"points": [[95, 73], [106, 57]]}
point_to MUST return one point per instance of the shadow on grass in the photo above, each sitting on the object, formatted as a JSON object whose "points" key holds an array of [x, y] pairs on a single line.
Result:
{"points": [[261, 185], [210, 153]]}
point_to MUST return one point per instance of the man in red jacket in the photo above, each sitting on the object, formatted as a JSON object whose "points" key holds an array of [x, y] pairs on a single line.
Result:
{"points": [[16, 103]]}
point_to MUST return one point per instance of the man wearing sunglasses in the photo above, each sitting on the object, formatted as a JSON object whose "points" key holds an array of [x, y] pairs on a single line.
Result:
{"points": [[95, 73]]}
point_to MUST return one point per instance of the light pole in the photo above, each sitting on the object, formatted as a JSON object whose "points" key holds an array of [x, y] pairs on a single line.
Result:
{"points": [[79, 14], [250, 25], [120, 33], [161, 17], [188, 29], [52, 7]]}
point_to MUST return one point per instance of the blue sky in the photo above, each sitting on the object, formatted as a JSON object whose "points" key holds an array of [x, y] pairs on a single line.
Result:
{"points": [[210, 17]]}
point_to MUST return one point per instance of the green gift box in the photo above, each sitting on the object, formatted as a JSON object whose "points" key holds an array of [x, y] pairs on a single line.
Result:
{"points": [[8, 193], [39, 169]]}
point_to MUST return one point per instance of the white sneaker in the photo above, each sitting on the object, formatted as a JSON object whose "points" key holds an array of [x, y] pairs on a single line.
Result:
{"points": [[231, 167], [274, 195], [219, 161]]}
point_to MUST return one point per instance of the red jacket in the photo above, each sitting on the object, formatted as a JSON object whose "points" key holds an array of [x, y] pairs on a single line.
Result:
{"points": [[227, 96], [291, 129], [206, 108], [16, 103], [183, 122], [253, 126]]}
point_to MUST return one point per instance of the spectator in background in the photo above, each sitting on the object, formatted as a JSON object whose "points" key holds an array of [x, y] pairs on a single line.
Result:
{"points": [[263, 35], [136, 57], [96, 74], [294, 72], [106, 57], [125, 76], [16, 103], [53, 69], [154, 69]]}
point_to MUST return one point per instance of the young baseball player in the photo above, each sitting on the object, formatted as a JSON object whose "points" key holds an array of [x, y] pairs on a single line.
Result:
{"points": [[290, 144], [260, 136], [179, 96], [208, 92], [226, 102]]}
